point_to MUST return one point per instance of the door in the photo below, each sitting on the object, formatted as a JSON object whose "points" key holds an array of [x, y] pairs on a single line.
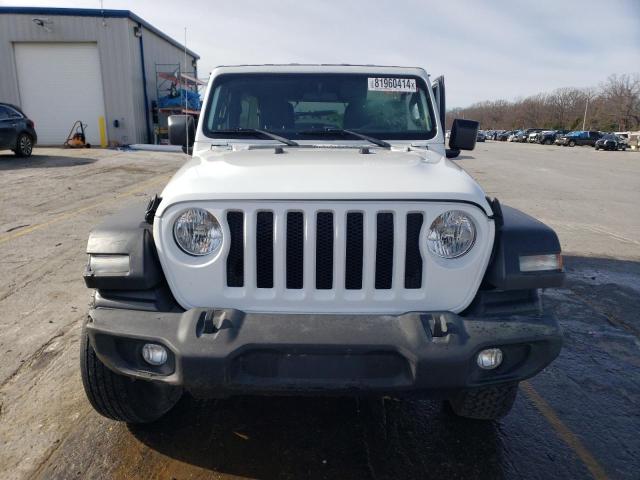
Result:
{"points": [[583, 139], [8, 126], [60, 83]]}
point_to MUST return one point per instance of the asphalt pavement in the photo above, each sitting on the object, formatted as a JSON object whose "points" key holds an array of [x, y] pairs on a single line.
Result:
{"points": [[579, 418]]}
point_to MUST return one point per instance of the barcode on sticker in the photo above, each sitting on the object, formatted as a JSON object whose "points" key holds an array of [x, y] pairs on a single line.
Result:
{"points": [[392, 84]]}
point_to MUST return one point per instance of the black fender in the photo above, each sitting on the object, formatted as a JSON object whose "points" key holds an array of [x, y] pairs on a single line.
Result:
{"points": [[125, 233], [518, 234]]}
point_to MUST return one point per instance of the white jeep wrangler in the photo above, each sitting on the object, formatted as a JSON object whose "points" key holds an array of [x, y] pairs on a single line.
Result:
{"points": [[319, 241]]}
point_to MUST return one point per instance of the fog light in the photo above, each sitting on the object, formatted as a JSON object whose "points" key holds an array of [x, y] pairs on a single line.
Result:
{"points": [[154, 354], [490, 358]]}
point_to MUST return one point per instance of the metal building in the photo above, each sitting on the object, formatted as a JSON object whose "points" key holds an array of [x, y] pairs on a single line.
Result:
{"points": [[99, 66]]}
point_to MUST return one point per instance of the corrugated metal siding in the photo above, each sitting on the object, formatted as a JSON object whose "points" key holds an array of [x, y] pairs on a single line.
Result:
{"points": [[156, 50], [119, 58]]}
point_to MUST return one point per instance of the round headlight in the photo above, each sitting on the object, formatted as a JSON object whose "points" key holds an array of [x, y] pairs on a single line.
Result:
{"points": [[197, 232], [451, 235]]}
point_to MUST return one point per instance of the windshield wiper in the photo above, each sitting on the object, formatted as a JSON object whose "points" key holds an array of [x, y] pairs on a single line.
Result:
{"points": [[342, 131], [266, 133]]}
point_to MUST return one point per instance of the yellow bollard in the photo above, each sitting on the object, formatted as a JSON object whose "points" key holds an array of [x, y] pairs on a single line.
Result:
{"points": [[103, 132]]}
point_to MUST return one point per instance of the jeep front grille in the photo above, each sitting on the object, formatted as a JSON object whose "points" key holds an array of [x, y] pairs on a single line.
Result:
{"points": [[324, 256], [327, 228]]}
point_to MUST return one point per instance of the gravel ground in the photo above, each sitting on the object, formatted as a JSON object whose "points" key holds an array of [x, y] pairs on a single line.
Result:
{"points": [[578, 418]]}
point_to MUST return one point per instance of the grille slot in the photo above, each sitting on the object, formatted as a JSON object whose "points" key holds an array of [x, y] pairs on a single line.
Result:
{"points": [[324, 251], [384, 251], [354, 251], [235, 259], [264, 250], [295, 250], [413, 258]]}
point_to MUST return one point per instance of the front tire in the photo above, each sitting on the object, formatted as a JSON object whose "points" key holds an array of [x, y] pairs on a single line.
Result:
{"points": [[572, 143], [24, 146], [484, 403], [122, 398]]}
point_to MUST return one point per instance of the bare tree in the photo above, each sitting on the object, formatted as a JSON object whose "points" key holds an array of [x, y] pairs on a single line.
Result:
{"points": [[615, 105], [622, 96]]}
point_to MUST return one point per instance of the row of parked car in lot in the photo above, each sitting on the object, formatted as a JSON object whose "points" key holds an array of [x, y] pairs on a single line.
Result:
{"points": [[565, 138]]}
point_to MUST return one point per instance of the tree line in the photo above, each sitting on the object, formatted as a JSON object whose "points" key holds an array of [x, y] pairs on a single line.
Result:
{"points": [[612, 106]]}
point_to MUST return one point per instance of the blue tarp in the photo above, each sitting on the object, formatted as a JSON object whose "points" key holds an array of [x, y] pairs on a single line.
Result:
{"points": [[192, 100]]}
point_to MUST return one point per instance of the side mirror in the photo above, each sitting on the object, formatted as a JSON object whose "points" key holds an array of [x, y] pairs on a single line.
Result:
{"points": [[182, 131], [463, 136]]}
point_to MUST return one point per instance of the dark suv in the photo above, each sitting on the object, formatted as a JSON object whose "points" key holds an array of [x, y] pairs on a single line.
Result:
{"points": [[549, 136], [17, 132], [578, 138], [611, 142]]}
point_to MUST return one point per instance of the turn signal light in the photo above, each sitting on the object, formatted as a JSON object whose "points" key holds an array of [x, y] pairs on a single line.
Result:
{"points": [[109, 264], [540, 263]]}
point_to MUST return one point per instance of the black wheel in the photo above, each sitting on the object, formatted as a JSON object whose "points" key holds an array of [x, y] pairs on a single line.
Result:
{"points": [[24, 146], [122, 398], [484, 403], [572, 143]]}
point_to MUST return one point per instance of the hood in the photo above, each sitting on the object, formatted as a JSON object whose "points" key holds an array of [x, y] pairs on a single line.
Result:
{"points": [[321, 174]]}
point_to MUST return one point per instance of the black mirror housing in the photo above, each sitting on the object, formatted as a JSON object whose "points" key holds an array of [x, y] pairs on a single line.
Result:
{"points": [[182, 131], [463, 134]]}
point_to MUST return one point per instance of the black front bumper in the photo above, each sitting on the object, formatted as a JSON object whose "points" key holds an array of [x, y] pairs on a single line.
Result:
{"points": [[227, 351]]}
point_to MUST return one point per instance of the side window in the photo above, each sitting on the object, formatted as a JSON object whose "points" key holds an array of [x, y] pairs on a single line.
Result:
{"points": [[13, 113], [220, 118], [4, 113]]}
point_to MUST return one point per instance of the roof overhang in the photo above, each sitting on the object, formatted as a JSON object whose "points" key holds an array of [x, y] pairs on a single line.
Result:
{"points": [[95, 12]]}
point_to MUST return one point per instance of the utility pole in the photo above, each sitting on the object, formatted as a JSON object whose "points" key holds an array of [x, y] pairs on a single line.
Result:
{"points": [[584, 119]]}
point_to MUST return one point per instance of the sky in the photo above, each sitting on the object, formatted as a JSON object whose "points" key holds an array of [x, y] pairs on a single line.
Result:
{"points": [[487, 50]]}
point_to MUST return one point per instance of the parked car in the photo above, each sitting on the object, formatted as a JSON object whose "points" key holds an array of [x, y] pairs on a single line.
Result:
{"points": [[519, 136], [503, 136], [579, 138], [547, 137], [481, 137], [532, 135], [513, 136], [624, 136], [282, 276], [611, 142], [17, 132]]}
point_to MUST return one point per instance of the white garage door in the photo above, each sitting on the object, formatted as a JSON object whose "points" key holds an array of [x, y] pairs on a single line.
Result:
{"points": [[59, 84]]}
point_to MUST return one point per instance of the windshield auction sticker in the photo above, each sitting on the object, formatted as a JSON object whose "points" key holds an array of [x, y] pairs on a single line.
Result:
{"points": [[392, 84]]}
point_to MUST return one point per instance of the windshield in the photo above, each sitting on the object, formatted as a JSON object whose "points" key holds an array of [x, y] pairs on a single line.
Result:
{"points": [[299, 106]]}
